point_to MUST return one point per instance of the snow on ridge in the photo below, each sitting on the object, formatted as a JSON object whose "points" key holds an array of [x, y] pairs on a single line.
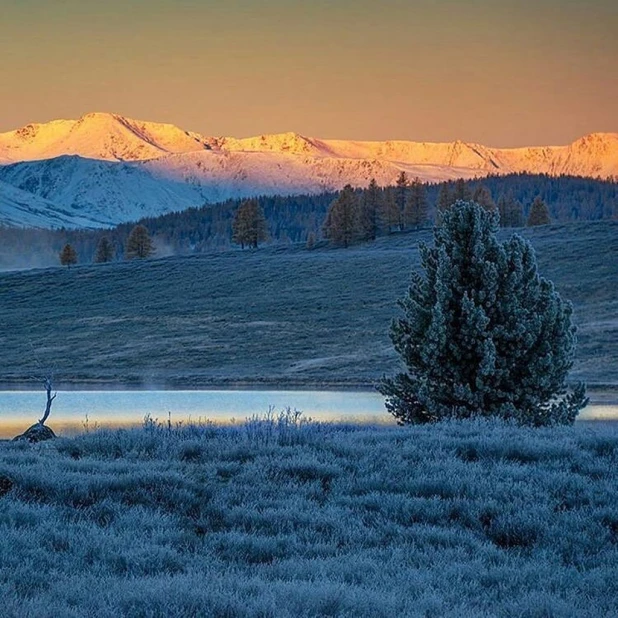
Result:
{"points": [[104, 169], [107, 136]]}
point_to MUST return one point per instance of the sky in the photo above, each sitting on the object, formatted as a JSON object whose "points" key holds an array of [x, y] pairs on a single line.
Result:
{"points": [[497, 72]]}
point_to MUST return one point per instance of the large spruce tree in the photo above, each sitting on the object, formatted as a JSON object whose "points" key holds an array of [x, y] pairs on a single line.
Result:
{"points": [[483, 334]]}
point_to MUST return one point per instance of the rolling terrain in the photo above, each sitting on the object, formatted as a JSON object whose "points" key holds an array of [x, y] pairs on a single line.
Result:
{"points": [[106, 169], [275, 316]]}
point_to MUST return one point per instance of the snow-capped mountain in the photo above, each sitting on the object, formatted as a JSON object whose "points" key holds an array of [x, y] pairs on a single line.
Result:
{"points": [[97, 136], [124, 169], [99, 193]]}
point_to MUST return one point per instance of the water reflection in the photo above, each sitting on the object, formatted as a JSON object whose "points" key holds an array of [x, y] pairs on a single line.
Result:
{"points": [[19, 409]]}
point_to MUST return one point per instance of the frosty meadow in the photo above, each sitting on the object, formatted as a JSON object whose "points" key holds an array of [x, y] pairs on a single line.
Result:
{"points": [[358, 361]]}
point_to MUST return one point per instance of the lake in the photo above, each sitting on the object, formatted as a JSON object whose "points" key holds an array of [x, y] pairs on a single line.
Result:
{"points": [[72, 410]]}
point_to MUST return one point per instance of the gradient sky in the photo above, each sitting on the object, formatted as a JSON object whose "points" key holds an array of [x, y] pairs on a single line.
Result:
{"points": [[499, 72]]}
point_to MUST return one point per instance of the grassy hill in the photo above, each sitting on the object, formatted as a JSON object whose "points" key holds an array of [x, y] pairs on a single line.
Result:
{"points": [[273, 316]]}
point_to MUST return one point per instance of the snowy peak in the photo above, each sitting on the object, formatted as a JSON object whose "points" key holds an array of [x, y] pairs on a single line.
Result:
{"points": [[98, 136], [113, 137], [284, 143]]}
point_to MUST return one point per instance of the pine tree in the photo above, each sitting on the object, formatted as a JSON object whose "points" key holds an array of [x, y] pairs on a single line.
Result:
{"points": [[371, 208], [462, 191], [511, 212], [105, 251], [390, 211], [482, 196], [416, 205], [139, 245], [401, 196], [249, 226], [342, 225], [68, 256], [539, 214], [445, 200], [482, 334]]}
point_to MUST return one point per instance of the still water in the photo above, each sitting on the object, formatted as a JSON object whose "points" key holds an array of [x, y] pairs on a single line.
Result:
{"points": [[73, 410]]}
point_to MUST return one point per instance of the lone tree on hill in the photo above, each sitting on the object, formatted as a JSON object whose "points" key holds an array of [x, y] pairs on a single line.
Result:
{"points": [[483, 334], [68, 256], [105, 251], [249, 225], [139, 244], [342, 226], [539, 214]]}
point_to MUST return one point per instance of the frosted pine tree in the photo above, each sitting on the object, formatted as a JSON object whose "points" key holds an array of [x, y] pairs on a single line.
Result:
{"points": [[483, 334]]}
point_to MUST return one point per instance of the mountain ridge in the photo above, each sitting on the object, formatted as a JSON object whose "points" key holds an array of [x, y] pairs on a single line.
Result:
{"points": [[131, 168]]}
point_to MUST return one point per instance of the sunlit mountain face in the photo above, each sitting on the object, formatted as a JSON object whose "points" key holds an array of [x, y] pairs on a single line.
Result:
{"points": [[104, 169]]}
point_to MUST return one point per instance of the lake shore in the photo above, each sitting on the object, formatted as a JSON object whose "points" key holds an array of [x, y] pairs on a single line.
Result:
{"points": [[600, 394]]}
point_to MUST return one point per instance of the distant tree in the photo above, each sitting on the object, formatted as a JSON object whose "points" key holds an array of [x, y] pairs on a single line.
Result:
{"points": [[68, 256], [249, 226], [342, 225], [105, 251], [461, 191], [371, 206], [482, 334], [390, 210], [139, 244], [511, 212], [445, 200], [401, 195], [539, 214], [417, 208], [482, 196], [310, 240]]}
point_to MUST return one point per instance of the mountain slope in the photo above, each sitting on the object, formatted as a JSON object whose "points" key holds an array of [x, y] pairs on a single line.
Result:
{"points": [[23, 209], [96, 193]]}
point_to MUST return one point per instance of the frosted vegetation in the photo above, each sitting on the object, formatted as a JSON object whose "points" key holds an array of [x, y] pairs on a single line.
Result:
{"points": [[285, 517]]}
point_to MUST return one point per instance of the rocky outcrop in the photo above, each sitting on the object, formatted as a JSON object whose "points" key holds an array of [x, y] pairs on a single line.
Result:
{"points": [[36, 433]]}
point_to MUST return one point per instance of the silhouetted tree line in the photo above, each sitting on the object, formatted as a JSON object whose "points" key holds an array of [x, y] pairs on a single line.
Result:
{"points": [[371, 212]]}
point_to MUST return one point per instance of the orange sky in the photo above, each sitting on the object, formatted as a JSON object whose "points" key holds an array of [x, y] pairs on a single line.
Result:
{"points": [[499, 72]]}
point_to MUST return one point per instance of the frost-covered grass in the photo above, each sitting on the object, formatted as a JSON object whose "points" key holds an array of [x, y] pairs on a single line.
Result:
{"points": [[278, 317], [286, 518]]}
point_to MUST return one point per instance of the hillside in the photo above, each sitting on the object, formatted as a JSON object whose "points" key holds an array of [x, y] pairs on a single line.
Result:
{"points": [[182, 168], [272, 316]]}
